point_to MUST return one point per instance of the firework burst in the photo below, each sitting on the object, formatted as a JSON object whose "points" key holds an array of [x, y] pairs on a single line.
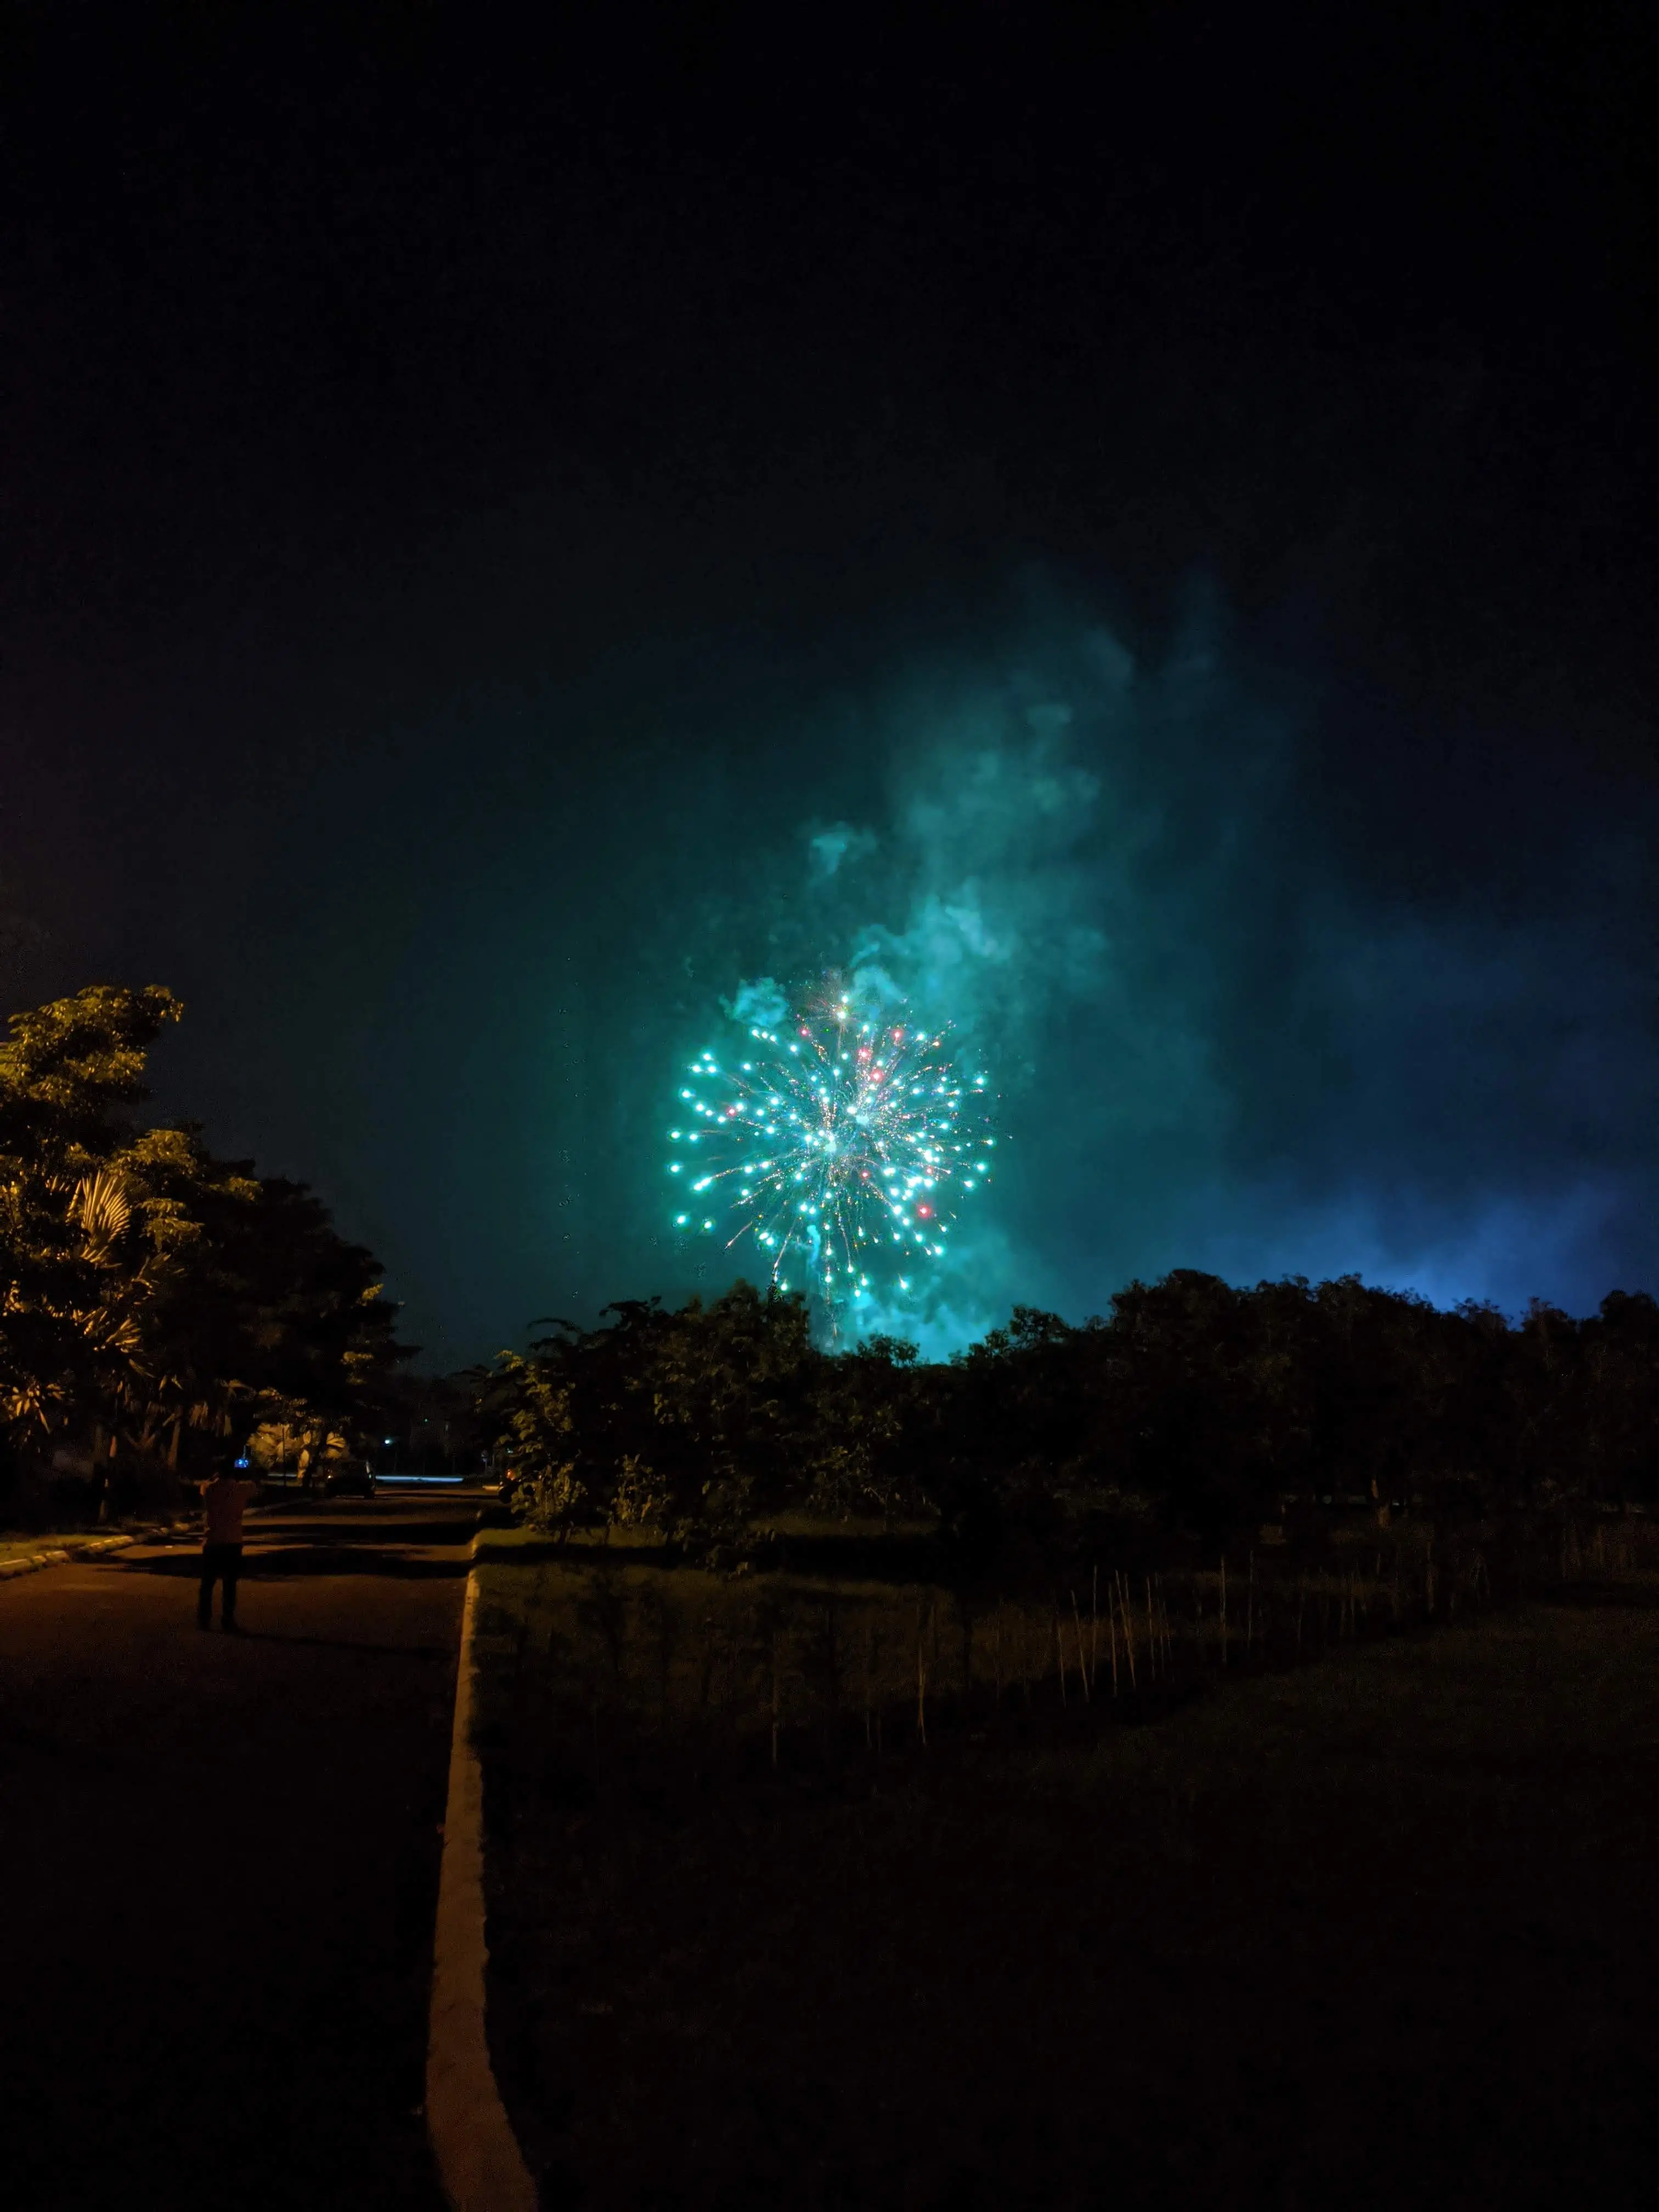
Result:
{"points": [[840, 1147]]}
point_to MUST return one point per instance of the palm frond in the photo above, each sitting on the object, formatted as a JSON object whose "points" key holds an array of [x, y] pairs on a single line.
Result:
{"points": [[102, 1206]]}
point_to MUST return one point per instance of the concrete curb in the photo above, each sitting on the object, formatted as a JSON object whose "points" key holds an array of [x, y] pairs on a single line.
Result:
{"points": [[61, 1554], [479, 2159]]}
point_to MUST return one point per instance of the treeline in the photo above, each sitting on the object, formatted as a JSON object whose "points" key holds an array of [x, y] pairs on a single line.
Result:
{"points": [[158, 1305], [1192, 1406]]}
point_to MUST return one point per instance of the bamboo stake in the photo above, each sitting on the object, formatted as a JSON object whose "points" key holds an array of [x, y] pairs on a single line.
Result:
{"points": [[1128, 1629], [921, 1681], [1152, 1635], [869, 1639], [1111, 1635], [1249, 1610], [1060, 1652], [1094, 1623], [1082, 1657], [1223, 1608]]}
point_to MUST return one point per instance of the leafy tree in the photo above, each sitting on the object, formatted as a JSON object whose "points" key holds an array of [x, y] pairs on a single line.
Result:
{"points": [[1205, 1410], [693, 1421], [283, 1311], [1620, 1346], [148, 1291], [1195, 1402], [88, 1238], [528, 1401], [869, 1413]]}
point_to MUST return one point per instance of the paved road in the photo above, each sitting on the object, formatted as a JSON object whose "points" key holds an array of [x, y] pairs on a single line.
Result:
{"points": [[218, 1865]]}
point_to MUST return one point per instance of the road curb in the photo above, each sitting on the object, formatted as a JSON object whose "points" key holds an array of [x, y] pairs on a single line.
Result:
{"points": [[59, 1555], [479, 2160]]}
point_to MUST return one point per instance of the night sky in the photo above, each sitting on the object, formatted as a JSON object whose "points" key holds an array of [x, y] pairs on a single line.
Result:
{"points": [[1143, 518]]}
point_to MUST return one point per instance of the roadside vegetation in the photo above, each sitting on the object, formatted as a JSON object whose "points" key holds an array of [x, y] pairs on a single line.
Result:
{"points": [[30, 1547], [1190, 1408], [822, 1884], [156, 1303], [1198, 1756]]}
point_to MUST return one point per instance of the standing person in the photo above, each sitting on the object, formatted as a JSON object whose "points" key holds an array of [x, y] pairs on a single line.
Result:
{"points": [[224, 1501]]}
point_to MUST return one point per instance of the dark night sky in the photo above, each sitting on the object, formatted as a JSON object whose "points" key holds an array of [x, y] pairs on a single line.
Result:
{"points": [[1180, 480]]}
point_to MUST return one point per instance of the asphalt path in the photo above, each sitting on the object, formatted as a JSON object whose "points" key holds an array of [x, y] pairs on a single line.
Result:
{"points": [[219, 1863]]}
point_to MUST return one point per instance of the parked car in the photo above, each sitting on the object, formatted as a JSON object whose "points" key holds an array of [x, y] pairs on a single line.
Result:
{"points": [[348, 1481]]}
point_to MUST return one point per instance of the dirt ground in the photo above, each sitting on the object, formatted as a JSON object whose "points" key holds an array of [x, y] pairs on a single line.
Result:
{"points": [[1380, 1930]]}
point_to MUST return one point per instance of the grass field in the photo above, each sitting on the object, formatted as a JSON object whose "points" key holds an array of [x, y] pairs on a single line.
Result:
{"points": [[1376, 1929]]}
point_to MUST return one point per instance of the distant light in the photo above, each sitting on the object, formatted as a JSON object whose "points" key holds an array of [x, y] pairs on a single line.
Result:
{"points": [[388, 1440], [244, 1462]]}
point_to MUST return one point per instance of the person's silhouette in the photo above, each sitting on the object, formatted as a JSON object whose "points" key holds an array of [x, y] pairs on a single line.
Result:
{"points": [[224, 1501]]}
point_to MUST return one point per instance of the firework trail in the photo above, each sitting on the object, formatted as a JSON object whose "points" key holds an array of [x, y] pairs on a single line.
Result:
{"points": [[842, 1147]]}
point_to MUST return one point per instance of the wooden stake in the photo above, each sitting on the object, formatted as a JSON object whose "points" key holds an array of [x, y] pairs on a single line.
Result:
{"points": [[1082, 1657]]}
